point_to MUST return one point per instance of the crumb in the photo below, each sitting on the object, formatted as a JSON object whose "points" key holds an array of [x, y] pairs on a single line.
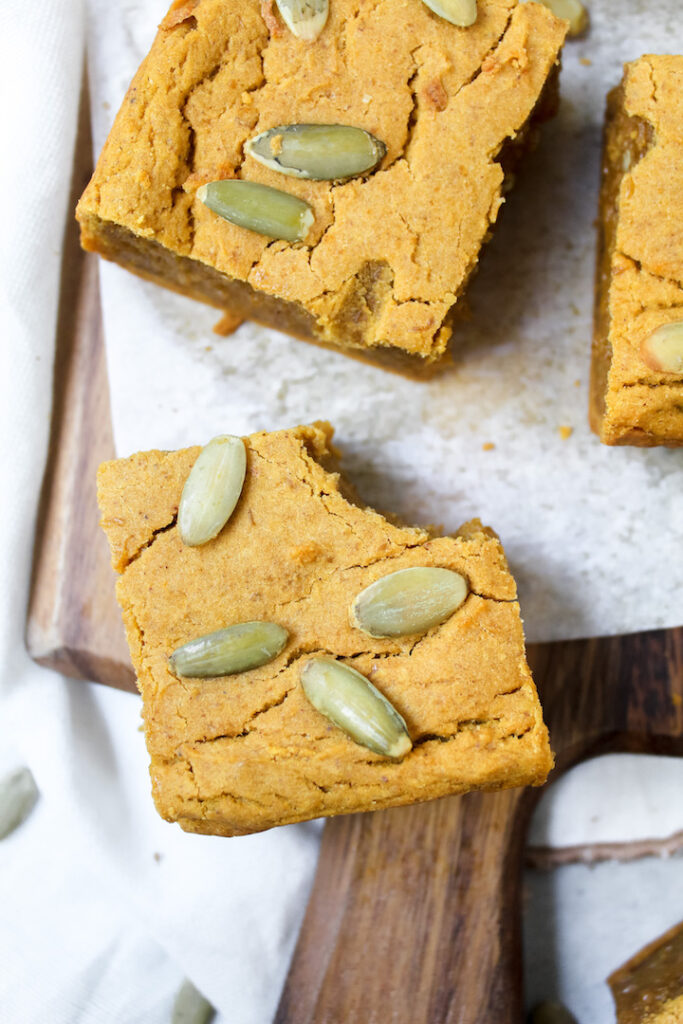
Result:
{"points": [[227, 325], [276, 145], [248, 116], [565, 432], [586, 61], [435, 95], [158, 857], [304, 554], [488, 447], [268, 15], [179, 12], [577, 383], [141, 727]]}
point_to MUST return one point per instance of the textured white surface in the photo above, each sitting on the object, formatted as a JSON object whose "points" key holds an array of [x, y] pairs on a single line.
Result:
{"points": [[583, 922], [610, 800], [593, 534]]}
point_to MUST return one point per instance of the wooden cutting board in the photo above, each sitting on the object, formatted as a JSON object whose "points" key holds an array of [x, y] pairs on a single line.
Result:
{"points": [[414, 917]]}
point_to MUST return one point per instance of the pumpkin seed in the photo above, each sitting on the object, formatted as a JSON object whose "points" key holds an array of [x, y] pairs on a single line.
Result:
{"points": [[18, 796], [212, 490], [352, 703], [408, 601], [191, 1007], [234, 649], [663, 349], [323, 152], [305, 18], [572, 11], [260, 208], [462, 13]]}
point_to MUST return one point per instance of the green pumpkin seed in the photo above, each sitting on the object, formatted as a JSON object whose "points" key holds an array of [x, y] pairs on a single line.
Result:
{"points": [[663, 349], [323, 152], [191, 1007], [353, 704], [572, 11], [462, 13], [228, 651], [305, 18], [212, 490], [408, 601], [18, 796], [260, 208]]}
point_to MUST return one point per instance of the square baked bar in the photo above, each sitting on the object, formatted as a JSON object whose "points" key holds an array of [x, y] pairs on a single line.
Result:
{"points": [[237, 754], [637, 368], [388, 254]]}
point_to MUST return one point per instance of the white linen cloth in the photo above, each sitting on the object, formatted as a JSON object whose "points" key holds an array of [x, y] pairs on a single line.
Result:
{"points": [[105, 907]]}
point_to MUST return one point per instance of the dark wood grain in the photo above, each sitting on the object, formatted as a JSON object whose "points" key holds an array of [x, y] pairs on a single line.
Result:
{"points": [[74, 624], [415, 915]]}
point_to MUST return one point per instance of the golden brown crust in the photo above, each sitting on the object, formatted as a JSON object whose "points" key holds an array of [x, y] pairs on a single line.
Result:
{"points": [[648, 988], [388, 255], [639, 281], [239, 754]]}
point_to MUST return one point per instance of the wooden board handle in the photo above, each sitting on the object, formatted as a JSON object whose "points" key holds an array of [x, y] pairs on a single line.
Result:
{"points": [[413, 918], [415, 915]]}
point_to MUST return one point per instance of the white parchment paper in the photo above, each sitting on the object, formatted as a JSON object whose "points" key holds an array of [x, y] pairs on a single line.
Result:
{"points": [[593, 534]]}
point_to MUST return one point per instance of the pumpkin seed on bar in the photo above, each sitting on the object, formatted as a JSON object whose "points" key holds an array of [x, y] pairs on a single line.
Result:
{"points": [[234, 649], [305, 18], [260, 208], [191, 1007], [462, 13], [352, 703], [663, 349], [408, 601], [572, 11], [212, 489], [18, 796], [323, 152]]}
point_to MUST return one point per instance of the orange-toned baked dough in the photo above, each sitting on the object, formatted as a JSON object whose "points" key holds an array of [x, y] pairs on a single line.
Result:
{"points": [[241, 753], [388, 254]]}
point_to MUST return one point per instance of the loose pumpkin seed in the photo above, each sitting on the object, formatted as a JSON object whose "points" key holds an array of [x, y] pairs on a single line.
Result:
{"points": [[323, 152], [260, 208], [18, 796], [462, 13], [228, 651], [191, 1007], [305, 18], [212, 489], [663, 349], [408, 601], [352, 703]]}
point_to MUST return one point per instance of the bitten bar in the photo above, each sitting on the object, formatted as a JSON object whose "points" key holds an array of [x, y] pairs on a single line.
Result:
{"points": [[244, 752]]}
